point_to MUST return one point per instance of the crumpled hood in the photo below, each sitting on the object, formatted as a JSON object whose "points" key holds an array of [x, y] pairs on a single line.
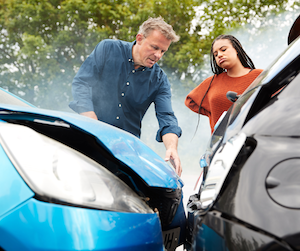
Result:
{"points": [[124, 146]]}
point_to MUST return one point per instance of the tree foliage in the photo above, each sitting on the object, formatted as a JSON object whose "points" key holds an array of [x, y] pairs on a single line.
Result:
{"points": [[44, 42], [215, 17]]}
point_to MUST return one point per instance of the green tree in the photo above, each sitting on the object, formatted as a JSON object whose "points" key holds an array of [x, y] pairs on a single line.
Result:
{"points": [[44, 42], [216, 17]]}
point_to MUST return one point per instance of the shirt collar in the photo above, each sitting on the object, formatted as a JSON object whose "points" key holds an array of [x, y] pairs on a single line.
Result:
{"points": [[129, 55], [130, 58]]}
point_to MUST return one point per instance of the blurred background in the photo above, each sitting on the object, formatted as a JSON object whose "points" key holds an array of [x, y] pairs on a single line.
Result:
{"points": [[44, 42]]}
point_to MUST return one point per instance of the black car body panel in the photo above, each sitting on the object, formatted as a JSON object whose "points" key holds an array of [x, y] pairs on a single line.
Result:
{"points": [[249, 180], [218, 233]]}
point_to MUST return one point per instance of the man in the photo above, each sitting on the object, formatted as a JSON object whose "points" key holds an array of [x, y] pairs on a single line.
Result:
{"points": [[119, 80]]}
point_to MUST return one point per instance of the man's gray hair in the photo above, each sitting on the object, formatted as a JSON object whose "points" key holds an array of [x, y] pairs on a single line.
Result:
{"points": [[158, 24]]}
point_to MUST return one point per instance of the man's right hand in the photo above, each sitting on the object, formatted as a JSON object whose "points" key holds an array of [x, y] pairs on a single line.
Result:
{"points": [[90, 114]]}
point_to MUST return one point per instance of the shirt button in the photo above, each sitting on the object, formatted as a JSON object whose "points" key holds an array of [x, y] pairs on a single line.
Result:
{"points": [[129, 59], [127, 83], [123, 94], [120, 105], [144, 69], [133, 71], [117, 117]]}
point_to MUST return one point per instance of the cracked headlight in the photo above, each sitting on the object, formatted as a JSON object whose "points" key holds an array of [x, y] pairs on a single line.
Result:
{"points": [[219, 168], [58, 173]]}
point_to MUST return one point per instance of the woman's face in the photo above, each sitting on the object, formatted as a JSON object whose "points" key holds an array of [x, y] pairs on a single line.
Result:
{"points": [[225, 55]]}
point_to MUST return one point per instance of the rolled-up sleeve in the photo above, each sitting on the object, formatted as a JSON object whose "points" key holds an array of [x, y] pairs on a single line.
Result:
{"points": [[87, 77], [166, 118]]}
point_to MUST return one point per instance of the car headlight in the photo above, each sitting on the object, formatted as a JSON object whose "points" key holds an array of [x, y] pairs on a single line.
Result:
{"points": [[219, 168], [56, 172]]}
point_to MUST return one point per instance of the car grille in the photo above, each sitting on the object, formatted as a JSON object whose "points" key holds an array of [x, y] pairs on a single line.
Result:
{"points": [[166, 202]]}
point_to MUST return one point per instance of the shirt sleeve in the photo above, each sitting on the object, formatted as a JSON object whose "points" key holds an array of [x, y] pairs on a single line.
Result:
{"points": [[163, 107], [194, 98], [87, 77]]}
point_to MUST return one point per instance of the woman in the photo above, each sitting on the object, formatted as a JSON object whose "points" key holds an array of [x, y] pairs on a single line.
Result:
{"points": [[234, 71]]}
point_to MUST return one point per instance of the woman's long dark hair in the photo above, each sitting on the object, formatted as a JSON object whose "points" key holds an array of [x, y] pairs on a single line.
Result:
{"points": [[242, 55]]}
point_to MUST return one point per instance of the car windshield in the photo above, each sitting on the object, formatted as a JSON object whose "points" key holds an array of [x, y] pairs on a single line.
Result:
{"points": [[8, 98], [267, 85]]}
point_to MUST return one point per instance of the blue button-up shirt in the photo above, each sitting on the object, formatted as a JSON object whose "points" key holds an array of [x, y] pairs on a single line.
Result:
{"points": [[120, 95]]}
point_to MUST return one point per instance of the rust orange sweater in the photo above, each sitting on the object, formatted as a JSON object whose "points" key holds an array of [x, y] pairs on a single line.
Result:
{"points": [[215, 101]]}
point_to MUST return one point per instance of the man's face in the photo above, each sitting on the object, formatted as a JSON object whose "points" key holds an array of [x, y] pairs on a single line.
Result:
{"points": [[150, 49]]}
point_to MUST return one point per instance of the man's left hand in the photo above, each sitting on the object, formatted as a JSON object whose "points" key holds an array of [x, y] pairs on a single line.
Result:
{"points": [[170, 141]]}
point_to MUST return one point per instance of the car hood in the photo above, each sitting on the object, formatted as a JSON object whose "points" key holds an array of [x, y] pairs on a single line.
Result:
{"points": [[122, 145]]}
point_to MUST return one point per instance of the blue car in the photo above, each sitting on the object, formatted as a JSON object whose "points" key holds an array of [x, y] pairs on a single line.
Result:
{"points": [[68, 182]]}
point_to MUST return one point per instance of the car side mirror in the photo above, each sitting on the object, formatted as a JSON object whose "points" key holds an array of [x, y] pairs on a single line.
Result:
{"points": [[232, 96]]}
